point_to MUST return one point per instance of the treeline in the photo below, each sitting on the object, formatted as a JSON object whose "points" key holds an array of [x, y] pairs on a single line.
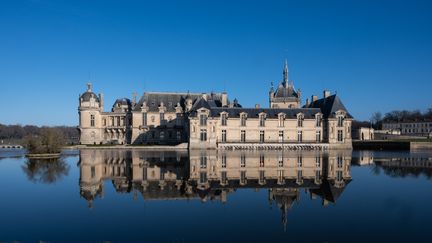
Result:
{"points": [[408, 116], [19, 132]]}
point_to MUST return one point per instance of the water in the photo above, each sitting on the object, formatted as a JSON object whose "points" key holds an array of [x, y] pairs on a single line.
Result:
{"points": [[215, 196]]}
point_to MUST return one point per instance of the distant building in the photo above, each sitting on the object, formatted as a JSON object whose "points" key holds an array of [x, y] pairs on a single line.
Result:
{"points": [[211, 120], [415, 128], [363, 133]]}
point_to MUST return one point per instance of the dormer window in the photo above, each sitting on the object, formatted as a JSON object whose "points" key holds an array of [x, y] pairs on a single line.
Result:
{"points": [[243, 120], [203, 119], [300, 119], [318, 120], [224, 118], [262, 120], [281, 120], [340, 121]]}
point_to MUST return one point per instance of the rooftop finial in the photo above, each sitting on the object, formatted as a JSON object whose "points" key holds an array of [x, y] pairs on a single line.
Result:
{"points": [[285, 73], [89, 87]]}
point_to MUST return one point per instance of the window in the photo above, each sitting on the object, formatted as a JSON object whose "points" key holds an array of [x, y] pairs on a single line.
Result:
{"points": [[203, 161], [223, 119], [339, 176], [203, 135], [179, 135], [224, 177], [243, 120], [104, 122], [281, 120], [224, 161], [243, 160], [144, 119], [262, 120], [118, 121], [224, 136], [162, 135], [299, 136], [203, 120], [242, 177], [318, 121], [317, 175], [318, 161], [281, 136], [340, 121], [339, 162], [340, 136], [261, 160], [261, 176], [280, 161], [300, 119], [162, 117], [203, 177], [318, 136], [299, 161], [93, 172], [243, 136], [92, 120], [261, 136]]}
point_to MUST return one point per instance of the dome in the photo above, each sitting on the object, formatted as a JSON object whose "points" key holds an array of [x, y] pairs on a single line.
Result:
{"points": [[88, 95]]}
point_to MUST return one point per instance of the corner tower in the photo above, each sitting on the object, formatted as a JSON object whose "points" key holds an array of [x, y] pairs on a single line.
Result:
{"points": [[90, 108]]}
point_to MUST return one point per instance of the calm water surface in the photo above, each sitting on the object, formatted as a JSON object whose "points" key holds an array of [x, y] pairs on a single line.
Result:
{"points": [[216, 196]]}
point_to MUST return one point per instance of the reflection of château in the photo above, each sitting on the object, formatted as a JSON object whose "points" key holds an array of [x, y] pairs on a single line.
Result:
{"points": [[212, 175]]}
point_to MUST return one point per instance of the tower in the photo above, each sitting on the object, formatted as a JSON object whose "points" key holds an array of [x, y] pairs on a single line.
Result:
{"points": [[89, 110], [285, 96]]}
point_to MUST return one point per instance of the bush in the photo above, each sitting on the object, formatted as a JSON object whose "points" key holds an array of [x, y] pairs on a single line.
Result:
{"points": [[49, 141]]}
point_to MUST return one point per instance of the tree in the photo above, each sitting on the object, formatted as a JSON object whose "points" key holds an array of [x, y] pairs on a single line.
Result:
{"points": [[50, 141], [376, 119]]}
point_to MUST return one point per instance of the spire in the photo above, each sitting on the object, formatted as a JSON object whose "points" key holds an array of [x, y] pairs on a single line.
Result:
{"points": [[89, 87], [285, 74]]}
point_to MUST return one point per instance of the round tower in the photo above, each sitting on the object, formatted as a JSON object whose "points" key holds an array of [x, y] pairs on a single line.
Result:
{"points": [[89, 110]]}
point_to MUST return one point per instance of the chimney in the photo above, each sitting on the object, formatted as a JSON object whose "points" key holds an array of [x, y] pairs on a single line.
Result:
{"points": [[204, 96], [307, 102], [314, 98], [224, 99], [101, 101], [257, 106], [326, 93]]}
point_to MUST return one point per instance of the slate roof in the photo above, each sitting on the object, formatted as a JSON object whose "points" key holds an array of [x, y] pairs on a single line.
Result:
{"points": [[329, 106], [170, 100], [254, 112], [286, 92], [87, 95]]}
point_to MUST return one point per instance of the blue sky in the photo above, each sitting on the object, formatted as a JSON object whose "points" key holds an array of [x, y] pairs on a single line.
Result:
{"points": [[377, 55]]}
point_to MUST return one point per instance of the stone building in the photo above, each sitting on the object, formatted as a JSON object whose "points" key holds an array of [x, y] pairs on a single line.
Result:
{"points": [[413, 128], [211, 120]]}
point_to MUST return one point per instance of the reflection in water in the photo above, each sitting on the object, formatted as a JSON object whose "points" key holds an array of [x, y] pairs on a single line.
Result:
{"points": [[45, 170], [396, 164], [213, 175]]}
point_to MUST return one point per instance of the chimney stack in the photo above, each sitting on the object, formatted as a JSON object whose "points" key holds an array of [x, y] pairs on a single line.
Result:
{"points": [[257, 106], [224, 99], [314, 98], [326, 93]]}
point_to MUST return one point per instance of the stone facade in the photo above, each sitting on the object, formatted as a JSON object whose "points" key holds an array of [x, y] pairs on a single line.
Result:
{"points": [[211, 120], [420, 128]]}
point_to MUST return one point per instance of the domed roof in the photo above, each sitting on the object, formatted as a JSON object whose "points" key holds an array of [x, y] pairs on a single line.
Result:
{"points": [[88, 95], [122, 102]]}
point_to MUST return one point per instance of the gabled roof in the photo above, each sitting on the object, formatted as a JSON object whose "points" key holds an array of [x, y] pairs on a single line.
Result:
{"points": [[329, 106]]}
